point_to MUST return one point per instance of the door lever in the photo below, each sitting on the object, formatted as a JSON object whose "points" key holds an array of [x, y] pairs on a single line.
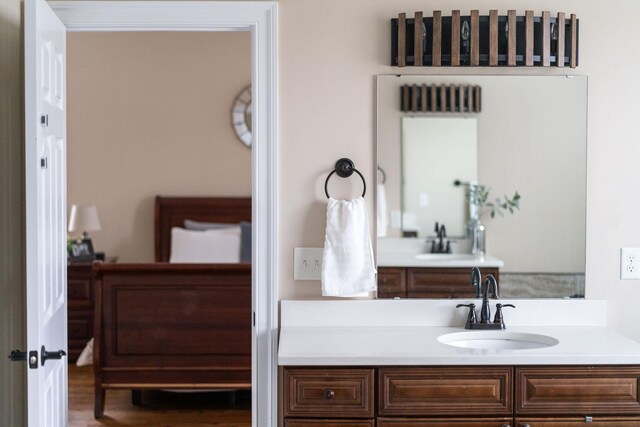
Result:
{"points": [[20, 356], [45, 355]]}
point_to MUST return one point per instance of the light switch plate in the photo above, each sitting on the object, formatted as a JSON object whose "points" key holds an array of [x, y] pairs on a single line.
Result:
{"points": [[307, 263], [630, 263]]}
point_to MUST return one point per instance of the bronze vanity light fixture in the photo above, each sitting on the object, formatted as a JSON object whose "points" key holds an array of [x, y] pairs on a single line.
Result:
{"points": [[488, 40]]}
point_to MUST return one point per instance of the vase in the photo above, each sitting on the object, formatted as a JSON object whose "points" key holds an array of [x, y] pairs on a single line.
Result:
{"points": [[476, 234]]}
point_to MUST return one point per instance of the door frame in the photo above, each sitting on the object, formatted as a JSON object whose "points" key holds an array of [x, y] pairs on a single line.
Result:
{"points": [[261, 19]]}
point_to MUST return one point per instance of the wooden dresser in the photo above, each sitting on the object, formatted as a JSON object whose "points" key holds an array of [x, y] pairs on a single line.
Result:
{"points": [[80, 306]]}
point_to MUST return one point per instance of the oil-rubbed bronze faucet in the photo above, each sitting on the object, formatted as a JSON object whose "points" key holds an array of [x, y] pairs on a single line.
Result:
{"points": [[438, 246], [490, 285]]}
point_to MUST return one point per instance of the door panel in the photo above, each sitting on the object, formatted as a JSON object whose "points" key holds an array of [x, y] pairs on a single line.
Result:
{"points": [[45, 182]]}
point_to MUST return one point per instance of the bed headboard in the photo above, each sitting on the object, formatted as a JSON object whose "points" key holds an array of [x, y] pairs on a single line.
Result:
{"points": [[172, 211]]}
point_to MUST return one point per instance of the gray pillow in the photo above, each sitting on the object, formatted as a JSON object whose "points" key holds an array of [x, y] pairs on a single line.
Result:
{"points": [[245, 234]]}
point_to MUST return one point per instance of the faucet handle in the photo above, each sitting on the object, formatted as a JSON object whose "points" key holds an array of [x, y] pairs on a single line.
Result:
{"points": [[471, 317], [498, 317]]}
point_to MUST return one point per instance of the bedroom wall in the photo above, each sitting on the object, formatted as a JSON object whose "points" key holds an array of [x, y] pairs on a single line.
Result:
{"points": [[149, 114]]}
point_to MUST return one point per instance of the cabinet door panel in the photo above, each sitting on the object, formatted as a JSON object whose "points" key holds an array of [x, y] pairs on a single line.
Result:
{"points": [[328, 392], [446, 422], [578, 390], [578, 422], [457, 391], [442, 282], [392, 282]]}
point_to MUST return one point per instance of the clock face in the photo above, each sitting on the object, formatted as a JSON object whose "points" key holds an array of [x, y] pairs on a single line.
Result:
{"points": [[241, 116]]}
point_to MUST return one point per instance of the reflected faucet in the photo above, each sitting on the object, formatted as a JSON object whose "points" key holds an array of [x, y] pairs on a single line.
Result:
{"points": [[438, 246]]}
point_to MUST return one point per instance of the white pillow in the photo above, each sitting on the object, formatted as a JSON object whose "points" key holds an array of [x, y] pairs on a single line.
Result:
{"points": [[208, 246]]}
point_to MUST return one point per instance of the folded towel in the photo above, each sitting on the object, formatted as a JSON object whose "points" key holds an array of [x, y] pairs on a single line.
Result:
{"points": [[382, 214], [347, 264]]}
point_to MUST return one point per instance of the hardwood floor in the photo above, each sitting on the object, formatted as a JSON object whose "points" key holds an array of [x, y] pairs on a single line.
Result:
{"points": [[158, 409]]}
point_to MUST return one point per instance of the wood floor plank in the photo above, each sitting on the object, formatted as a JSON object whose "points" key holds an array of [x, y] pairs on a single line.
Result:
{"points": [[158, 409]]}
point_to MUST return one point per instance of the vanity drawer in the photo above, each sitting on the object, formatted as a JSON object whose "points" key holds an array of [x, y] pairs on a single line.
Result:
{"points": [[578, 390], [578, 422], [337, 392], [446, 422], [442, 282], [392, 282], [329, 423], [436, 391]]}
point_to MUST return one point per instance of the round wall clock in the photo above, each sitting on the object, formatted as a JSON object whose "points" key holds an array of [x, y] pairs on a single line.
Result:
{"points": [[241, 116]]}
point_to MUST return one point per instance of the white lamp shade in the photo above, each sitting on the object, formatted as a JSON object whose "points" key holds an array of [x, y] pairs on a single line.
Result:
{"points": [[84, 218]]}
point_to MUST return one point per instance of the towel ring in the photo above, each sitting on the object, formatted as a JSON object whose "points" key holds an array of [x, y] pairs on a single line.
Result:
{"points": [[384, 174], [345, 168]]}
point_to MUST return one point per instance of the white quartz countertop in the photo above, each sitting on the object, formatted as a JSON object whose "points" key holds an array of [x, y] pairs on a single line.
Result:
{"points": [[405, 332], [419, 345]]}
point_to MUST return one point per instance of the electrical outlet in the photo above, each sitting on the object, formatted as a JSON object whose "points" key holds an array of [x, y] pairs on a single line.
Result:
{"points": [[630, 263], [307, 263]]}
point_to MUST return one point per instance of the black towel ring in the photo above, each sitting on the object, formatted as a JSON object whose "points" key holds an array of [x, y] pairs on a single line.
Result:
{"points": [[345, 168]]}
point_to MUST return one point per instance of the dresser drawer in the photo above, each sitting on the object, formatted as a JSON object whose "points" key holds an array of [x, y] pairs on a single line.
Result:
{"points": [[329, 423], [392, 282], [333, 392], [578, 390], [445, 391]]}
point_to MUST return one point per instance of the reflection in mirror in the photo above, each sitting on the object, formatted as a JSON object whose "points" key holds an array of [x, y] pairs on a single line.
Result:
{"points": [[529, 138]]}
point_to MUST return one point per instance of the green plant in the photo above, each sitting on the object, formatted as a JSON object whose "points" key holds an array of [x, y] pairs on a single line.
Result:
{"points": [[478, 195]]}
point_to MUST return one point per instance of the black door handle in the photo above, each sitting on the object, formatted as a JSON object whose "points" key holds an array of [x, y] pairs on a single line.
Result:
{"points": [[23, 356], [45, 355]]}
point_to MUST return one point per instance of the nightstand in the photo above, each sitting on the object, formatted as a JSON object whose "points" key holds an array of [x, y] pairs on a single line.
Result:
{"points": [[80, 306]]}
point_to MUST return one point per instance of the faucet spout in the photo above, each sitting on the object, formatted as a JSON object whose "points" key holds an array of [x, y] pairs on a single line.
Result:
{"points": [[485, 311]]}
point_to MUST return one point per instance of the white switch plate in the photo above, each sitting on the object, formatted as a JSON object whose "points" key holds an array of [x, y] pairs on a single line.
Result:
{"points": [[630, 263], [307, 263]]}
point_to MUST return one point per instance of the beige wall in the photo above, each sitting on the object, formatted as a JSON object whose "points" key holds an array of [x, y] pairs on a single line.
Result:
{"points": [[12, 378], [149, 114], [327, 108]]}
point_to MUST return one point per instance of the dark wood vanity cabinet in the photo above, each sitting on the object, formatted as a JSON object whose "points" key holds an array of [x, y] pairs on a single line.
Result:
{"points": [[427, 282], [464, 396]]}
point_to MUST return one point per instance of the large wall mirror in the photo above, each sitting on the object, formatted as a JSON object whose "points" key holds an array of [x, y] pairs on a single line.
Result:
{"points": [[529, 138]]}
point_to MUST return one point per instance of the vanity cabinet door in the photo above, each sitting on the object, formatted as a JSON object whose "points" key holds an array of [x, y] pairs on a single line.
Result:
{"points": [[578, 422], [445, 422], [328, 392], [578, 390], [392, 282], [443, 391], [442, 282]]}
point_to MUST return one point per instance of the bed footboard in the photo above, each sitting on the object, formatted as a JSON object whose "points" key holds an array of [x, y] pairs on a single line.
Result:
{"points": [[172, 326]]}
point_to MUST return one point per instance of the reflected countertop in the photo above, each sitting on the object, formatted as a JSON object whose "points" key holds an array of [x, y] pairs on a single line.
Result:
{"points": [[404, 259]]}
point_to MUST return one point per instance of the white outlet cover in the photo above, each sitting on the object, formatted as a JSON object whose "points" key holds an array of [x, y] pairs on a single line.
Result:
{"points": [[629, 263]]}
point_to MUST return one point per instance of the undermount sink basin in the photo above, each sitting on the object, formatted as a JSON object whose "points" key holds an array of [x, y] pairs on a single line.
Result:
{"points": [[497, 340], [446, 257]]}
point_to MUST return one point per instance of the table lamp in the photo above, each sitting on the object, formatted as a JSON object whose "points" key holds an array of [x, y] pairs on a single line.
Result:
{"points": [[85, 218]]}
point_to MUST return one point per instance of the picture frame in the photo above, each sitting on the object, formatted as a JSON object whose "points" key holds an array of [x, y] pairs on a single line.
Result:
{"points": [[81, 250]]}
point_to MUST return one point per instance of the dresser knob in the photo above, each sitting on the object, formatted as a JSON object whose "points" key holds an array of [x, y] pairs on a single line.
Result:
{"points": [[329, 394]]}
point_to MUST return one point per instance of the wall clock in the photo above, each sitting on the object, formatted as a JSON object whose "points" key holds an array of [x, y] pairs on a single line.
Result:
{"points": [[241, 116]]}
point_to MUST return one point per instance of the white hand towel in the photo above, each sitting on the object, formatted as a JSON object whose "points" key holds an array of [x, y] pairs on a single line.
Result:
{"points": [[382, 214], [347, 265]]}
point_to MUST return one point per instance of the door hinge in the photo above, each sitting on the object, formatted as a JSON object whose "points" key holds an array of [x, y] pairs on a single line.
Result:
{"points": [[44, 120], [43, 162], [19, 356]]}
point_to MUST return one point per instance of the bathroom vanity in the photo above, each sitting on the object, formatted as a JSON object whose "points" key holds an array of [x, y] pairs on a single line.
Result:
{"points": [[395, 363]]}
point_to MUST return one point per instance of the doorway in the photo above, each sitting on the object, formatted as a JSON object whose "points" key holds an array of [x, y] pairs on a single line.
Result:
{"points": [[149, 114], [260, 18]]}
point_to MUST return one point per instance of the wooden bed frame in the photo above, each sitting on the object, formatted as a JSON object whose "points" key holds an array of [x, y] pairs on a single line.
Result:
{"points": [[176, 326]]}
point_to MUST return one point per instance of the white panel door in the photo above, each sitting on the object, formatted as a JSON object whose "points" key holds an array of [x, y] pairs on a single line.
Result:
{"points": [[45, 182]]}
